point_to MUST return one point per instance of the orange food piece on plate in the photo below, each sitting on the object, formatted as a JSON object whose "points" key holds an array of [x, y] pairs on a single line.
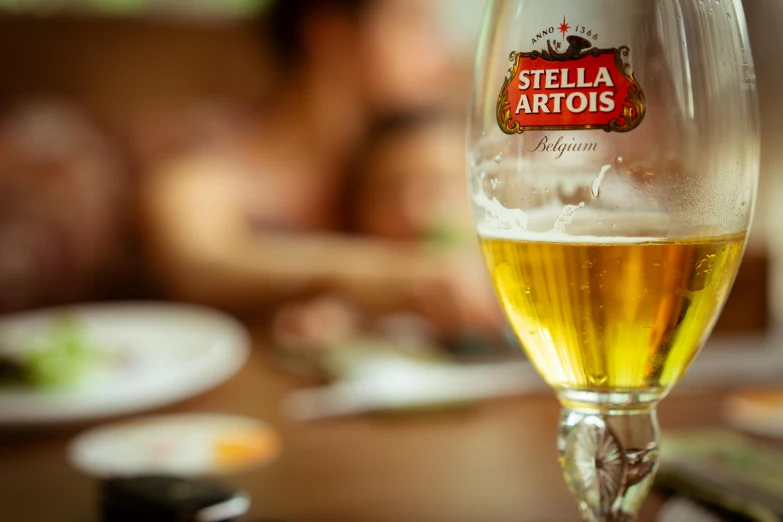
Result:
{"points": [[246, 448]]}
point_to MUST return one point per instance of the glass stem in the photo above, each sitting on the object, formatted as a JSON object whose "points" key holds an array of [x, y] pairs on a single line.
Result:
{"points": [[609, 459]]}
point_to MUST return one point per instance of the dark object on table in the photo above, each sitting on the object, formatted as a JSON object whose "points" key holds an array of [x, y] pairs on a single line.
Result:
{"points": [[726, 471], [682, 509], [171, 499], [712, 503]]}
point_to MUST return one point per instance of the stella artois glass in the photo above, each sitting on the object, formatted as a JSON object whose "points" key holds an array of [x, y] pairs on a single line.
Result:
{"points": [[612, 159]]}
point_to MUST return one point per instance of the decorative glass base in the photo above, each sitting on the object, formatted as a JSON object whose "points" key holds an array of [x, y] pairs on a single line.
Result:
{"points": [[609, 457]]}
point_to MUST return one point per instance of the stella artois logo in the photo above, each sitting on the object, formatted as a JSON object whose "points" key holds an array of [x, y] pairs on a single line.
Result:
{"points": [[582, 87]]}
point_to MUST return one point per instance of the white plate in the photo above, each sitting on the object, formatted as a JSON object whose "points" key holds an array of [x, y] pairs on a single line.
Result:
{"points": [[180, 445], [156, 354]]}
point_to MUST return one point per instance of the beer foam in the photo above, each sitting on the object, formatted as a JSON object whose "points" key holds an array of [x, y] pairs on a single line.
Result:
{"points": [[499, 216], [553, 236], [612, 227]]}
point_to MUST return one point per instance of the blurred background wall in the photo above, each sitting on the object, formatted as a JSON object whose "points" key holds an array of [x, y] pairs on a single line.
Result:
{"points": [[765, 20]]}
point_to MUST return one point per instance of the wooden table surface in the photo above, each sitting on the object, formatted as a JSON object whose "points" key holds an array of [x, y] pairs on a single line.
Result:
{"points": [[495, 462]]}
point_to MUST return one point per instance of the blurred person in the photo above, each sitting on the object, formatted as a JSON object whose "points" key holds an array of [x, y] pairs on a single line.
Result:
{"points": [[409, 182], [61, 201], [410, 186], [258, 217], [407, 186]]}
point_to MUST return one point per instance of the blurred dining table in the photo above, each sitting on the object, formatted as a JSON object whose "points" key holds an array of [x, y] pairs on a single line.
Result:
{"points": [[495, 461]]}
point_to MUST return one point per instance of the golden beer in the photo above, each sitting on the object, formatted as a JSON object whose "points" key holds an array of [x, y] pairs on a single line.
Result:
{"points": [[613, 313]]}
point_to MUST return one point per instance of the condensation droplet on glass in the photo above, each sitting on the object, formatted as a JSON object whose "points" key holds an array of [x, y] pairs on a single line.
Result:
{"points": [[596, 188], [619, 160]]}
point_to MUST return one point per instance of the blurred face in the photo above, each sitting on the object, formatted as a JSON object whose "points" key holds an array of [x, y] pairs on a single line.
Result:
{"points": [[403, 56], [414, 186]]}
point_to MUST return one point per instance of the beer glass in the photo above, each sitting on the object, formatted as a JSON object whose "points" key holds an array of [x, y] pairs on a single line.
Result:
{"points": [[612, 158]]}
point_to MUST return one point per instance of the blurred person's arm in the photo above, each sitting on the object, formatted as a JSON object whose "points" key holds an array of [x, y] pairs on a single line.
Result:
{"points": [[205, 252]]}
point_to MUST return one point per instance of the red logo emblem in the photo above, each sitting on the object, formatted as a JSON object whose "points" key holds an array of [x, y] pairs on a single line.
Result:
{"points": [[579, 88]]}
